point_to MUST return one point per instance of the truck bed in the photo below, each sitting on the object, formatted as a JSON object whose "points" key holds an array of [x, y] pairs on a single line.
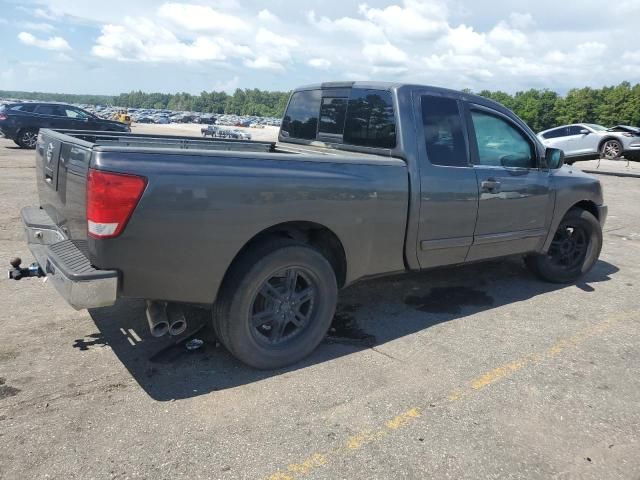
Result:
{"points": [[109, 141], [123, 139], [206, 198]]}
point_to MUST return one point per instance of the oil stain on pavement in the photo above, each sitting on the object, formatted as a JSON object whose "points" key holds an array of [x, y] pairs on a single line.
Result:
{"points": [[345, 329], [449, 300], [7, 391]]}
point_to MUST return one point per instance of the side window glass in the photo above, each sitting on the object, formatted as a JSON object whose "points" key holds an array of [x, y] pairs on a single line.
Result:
{"points": [[575, 130], [557, 133], [500, 143], [47, 110], [370, 121], [301, 118], [443, 131], [74, 113]]}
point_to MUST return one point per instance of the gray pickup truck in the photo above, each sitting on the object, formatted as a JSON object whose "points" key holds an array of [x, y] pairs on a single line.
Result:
{"points": [[366, 179]]}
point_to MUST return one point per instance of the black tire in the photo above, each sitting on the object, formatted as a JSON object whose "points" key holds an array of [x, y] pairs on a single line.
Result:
{"points": [[281, 338], [575, 249], [27, 138], [611, 149]]}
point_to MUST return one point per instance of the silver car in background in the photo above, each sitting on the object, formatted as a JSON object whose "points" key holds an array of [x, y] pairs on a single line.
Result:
{"points": [[587, 141]]}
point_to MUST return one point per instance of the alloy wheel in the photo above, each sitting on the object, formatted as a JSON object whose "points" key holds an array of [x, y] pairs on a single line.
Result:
{"points": [[611, 149], [29, 138], [283, 307]]}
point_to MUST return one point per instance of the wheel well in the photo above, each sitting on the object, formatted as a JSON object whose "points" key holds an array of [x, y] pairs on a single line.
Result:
{"points": [[314, 234], [589, 206], [606, 139]]}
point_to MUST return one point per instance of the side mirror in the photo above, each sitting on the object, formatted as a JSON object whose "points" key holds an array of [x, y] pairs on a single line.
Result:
{"points": [[554, 158], [584, 131]]}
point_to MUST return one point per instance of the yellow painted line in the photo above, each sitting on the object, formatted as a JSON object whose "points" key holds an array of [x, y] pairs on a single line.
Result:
{"points": [[369, 436]]}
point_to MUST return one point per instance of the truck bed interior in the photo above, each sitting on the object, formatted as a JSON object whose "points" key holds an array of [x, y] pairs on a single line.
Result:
{"points": [[108, 140]]}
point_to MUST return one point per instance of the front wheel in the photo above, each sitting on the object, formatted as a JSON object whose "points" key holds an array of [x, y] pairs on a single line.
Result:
{"points": [[574, 250], [611, 149], [276, 305]]}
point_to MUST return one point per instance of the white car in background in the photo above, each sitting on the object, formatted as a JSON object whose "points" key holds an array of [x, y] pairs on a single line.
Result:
{"points": [[587, 141]]}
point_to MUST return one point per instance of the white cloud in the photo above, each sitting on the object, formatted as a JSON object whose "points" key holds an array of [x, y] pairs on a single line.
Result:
{"points": [[38, 26], [263, 62], [319, 63], [521, 21], [414, 19], [52, 43], [352, 26], [384, 54], [268, 17], [502, 35], [201, 18]]}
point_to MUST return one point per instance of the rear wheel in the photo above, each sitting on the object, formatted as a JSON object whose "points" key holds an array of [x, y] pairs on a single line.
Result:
{"points": [[574, 250], [27, 138], [611, 149], [276, 305]]}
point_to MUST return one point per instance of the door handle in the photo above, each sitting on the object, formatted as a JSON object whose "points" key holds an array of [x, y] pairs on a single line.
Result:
{"points": [[490, 185]]}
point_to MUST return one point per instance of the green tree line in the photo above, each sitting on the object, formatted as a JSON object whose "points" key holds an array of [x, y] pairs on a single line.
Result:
{"points": [[541, 109]]}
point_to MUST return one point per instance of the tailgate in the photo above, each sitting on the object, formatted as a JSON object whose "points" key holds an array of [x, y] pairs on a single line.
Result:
{"points": [[62, 163]]}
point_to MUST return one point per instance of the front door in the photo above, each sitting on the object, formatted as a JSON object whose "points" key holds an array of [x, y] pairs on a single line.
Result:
{"points": [[78, 119], [514, 211], [449, 190]]}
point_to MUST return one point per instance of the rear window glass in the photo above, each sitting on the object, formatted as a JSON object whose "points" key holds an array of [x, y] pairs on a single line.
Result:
{"points": [[332, 115], [301, 120], [558, 132], [24, 107], [370, 121]]}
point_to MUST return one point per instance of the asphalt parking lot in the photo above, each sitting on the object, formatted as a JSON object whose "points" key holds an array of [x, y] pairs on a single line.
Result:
{"points": [[470, 372]]}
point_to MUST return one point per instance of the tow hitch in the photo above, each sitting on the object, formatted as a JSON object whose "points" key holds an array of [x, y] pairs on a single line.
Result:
{"points": [[33, 270]]}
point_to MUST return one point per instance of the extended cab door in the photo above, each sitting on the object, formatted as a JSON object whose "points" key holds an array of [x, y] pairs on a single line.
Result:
{"points": [[514, 207], [449, 190]]}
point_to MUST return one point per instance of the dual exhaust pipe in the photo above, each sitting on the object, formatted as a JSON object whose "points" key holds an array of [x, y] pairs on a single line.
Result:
{"points": [[165, 317]]}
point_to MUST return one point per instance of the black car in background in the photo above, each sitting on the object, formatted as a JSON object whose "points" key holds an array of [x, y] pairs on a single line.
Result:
{"points": [[20, 121]]}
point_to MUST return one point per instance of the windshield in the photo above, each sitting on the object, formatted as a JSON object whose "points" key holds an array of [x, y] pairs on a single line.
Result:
{"points": [[595, 127]]}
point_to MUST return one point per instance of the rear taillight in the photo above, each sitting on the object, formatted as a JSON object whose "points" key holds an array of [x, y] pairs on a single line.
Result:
{"points": [[111, 199], [3, 116]]}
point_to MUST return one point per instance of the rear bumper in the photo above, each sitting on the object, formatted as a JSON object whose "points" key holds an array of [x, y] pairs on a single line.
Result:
{"points": [[66, 264], [7, 132]]}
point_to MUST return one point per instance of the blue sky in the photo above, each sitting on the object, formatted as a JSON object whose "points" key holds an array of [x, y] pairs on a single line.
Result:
{"points": [[77, 46]]}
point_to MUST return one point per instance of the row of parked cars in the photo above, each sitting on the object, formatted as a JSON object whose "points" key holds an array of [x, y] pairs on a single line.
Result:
{"points": [[164, 116], [20, 121]]}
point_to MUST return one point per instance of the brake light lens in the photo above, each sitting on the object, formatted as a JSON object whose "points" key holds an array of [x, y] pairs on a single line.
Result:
{"points": [[3, 116], [111, 199]]}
